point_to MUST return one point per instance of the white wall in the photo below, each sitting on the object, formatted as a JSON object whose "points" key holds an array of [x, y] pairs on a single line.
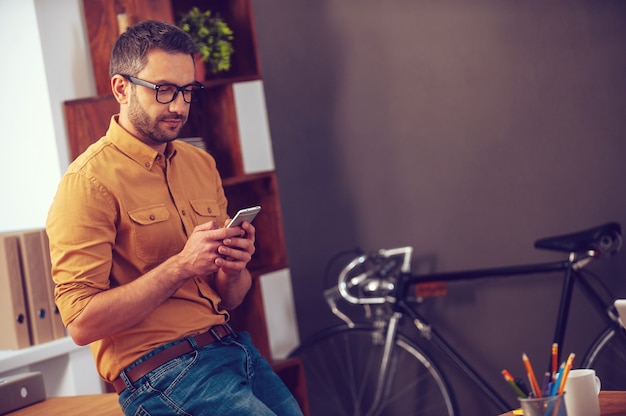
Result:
{"points": [[46, 61], [29, 165], [67, 61]]}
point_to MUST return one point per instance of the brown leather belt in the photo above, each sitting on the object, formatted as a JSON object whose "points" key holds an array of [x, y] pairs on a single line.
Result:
{"points": [[214, 334]]}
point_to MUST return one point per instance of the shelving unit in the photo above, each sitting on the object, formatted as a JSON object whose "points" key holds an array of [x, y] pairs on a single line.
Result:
{"points": [[214, 119]]}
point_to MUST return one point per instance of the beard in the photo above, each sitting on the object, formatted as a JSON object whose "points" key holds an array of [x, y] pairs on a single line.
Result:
{"points": [[153, 129]]}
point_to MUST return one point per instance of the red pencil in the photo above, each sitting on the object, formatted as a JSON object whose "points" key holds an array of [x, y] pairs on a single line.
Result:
{"points": [[555, 365]]}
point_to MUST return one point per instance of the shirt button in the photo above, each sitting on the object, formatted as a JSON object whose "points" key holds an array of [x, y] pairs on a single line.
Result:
{"points": [[183, 212], [151, 217], [147, 164], [210, 210]]}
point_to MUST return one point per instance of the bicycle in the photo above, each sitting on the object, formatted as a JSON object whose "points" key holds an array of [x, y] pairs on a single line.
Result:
{"points": [[374, 368]]}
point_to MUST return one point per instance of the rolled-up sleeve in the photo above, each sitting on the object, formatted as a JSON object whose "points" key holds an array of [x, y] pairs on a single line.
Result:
{"points": [[81, 230]]}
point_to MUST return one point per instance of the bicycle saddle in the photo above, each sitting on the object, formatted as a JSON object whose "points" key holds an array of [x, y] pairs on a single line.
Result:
{"points": [[605, 239]]}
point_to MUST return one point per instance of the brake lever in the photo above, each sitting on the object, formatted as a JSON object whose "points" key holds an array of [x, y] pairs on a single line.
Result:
{"points": [[331, 295]]}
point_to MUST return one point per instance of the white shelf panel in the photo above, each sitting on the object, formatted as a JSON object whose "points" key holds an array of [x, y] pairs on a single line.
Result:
{"points": [[12, 359], [68, 369]]}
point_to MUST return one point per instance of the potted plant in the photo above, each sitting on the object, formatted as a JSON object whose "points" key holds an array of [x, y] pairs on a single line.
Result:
{"points": [[212, 36]]}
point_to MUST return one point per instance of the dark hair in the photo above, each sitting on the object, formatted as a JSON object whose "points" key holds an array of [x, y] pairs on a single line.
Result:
{"points": [[128, 55]]}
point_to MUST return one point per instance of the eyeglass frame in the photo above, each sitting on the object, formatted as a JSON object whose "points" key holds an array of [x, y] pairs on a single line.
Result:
{"points": [[156, 87]]}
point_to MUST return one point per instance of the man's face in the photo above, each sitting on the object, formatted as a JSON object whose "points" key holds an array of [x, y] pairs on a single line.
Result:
{"points": [[152, 122]]}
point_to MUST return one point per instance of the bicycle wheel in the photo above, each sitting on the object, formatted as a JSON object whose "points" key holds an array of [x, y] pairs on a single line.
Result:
{"points": [[607, 356], [341, 367]]}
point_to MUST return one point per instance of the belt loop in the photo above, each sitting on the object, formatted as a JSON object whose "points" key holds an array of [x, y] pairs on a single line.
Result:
{"points": [[232, 332], [215, 334], [192, 341], [129, 384]]}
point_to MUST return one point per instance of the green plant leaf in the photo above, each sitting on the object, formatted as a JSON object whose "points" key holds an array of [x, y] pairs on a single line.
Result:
{"points": [[212, 36]]}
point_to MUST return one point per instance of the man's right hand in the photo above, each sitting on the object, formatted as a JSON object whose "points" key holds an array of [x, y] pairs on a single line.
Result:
{"points": [[201, 250]]}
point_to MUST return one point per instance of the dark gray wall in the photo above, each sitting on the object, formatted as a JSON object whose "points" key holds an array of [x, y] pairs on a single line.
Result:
{"points": [[464, 129]]}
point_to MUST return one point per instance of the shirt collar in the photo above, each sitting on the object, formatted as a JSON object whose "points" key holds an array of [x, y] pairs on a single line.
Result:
{"points": [[134, 148]]}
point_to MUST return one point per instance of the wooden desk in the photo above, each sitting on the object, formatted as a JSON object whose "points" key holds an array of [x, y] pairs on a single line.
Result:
{"points": [[92, 405], [612, 403]]}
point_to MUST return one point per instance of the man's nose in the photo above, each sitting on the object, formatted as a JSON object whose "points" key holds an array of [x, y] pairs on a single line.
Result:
{"points": [[178, 105]]}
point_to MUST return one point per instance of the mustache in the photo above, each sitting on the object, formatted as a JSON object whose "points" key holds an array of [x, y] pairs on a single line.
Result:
{"points": [[172, 116]]}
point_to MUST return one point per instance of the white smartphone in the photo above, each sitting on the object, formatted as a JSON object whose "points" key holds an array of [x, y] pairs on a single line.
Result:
{"points": [[246, 214]]}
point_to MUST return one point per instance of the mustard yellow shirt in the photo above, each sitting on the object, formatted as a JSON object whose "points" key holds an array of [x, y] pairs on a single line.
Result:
{"points": [[120, 210]]}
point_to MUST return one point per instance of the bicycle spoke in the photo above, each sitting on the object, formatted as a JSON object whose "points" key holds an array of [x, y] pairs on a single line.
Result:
{"points": [[322, 365], [342, 376]]}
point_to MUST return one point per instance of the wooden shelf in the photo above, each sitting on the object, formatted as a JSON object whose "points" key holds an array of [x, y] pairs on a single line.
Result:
{"points": [[103, 28], [87, 120], [214, 118], [250, 317], [291, 371]]}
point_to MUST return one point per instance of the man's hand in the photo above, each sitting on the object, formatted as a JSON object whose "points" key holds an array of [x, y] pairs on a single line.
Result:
{"points": [[232, 279], [207, 246], [236, 252]]}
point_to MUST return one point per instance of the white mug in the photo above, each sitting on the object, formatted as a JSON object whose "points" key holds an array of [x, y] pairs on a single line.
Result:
{"points": [[581, 393]]}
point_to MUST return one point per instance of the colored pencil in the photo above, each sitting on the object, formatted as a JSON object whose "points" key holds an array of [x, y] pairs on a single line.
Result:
{"points": [[555, 359], [568, 367], [557, 381], [545, 386], [531, 376], [509, 379]]}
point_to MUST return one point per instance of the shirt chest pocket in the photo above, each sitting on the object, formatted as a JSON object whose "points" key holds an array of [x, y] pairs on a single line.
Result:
{"points": [[154, 233], [205, 210]]}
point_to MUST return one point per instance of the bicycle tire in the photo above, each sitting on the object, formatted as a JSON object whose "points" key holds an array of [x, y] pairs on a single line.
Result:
{"points": [[341, 368], [607, 356]]}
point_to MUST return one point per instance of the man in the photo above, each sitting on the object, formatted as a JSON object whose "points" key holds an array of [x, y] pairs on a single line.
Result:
{"points": [[145, 271]]}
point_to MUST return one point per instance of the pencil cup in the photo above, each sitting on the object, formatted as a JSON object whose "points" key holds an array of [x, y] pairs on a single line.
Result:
{"points": [[544, 406]]}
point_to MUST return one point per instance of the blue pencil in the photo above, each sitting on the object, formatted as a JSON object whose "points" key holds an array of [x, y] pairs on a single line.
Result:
{"points": [[557, 382]]}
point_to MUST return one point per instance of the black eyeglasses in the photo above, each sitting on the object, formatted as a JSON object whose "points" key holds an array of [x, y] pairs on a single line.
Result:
{"points": [[166, 93]]}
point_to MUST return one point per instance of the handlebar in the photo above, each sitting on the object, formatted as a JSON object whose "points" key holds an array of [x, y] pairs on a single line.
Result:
{"points": [[378, 278]]}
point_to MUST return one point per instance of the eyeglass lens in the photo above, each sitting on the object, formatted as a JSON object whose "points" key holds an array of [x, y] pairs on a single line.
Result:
{"points": [[166, 93]]}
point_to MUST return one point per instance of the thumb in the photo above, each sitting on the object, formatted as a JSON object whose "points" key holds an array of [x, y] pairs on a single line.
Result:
{"points": [[207, 226]]}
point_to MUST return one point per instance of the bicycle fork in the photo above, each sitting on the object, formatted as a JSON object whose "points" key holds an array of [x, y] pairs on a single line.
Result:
{"points": [[383, 374]]}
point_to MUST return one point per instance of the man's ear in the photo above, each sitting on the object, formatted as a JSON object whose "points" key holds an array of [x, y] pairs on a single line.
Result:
{"points": [[121, 89]]}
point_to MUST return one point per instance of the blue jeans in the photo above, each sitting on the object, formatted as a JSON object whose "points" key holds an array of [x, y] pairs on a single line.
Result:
{"points": [[228, 377]]}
